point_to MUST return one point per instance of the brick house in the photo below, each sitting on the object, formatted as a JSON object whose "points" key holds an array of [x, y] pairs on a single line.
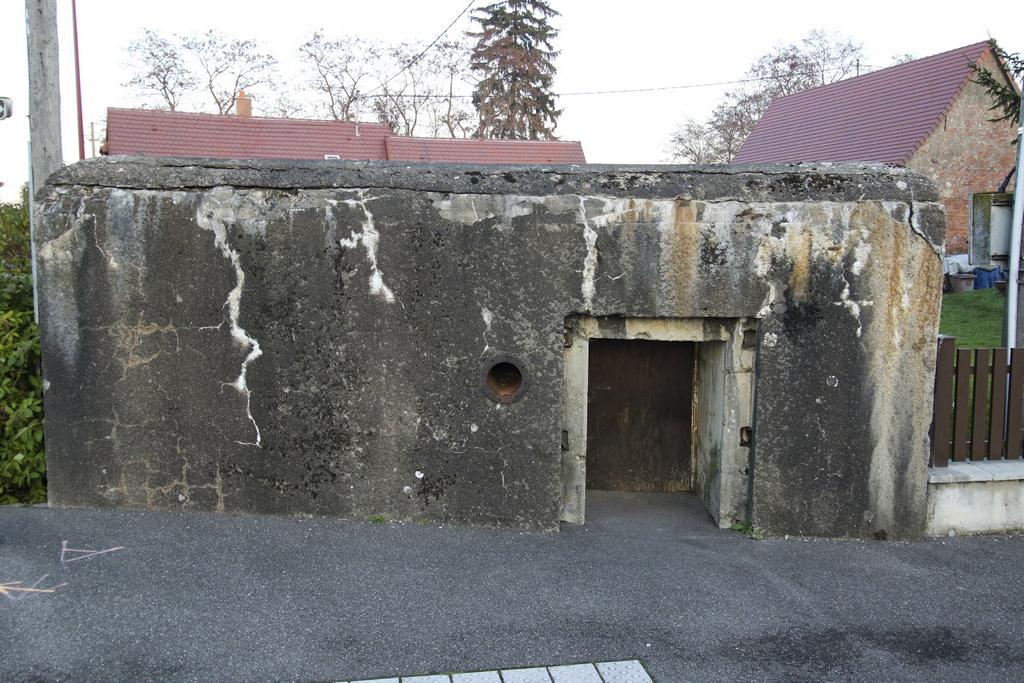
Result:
{"points": [[156, 133], [927, 115]]}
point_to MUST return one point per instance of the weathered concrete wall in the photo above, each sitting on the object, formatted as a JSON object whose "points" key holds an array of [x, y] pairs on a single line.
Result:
{"points": [[308, 338]]}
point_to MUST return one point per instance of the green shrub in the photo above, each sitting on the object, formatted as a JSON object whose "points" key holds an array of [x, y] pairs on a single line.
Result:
{"points": [[22, 458]]}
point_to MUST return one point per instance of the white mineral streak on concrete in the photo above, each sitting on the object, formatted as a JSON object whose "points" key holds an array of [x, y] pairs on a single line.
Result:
{"points": [[369, 238], [488, 318], [795, 219], [611, 208], [853, 306], [856, 241], [590, 260], [468, 209], [770, 247], [317, 200], [614, 210], [214, 212]]}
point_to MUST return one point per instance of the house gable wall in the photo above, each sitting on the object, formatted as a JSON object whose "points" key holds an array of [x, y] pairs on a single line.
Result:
{"points": [[966, 153]]}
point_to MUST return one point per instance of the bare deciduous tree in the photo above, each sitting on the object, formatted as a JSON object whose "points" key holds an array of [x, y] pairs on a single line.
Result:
{"points": [[403, 87], [829, 57], [412, 89], [183, 68], [288, 105], [160, 70], [229, 66], [340, 70], [449, 114], [422, 92], [818, 59], [696, 143]]}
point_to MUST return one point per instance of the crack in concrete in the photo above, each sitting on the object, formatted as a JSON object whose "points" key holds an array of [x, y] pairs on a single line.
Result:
{"points": [[130, 469], [185, 487], [129, 338], [912, 222]]}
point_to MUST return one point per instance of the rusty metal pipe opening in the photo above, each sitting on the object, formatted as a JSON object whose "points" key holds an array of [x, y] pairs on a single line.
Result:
{"points": [[504, 379]]}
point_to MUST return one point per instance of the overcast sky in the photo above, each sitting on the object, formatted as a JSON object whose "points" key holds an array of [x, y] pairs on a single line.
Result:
{"points": [[671, 47]]}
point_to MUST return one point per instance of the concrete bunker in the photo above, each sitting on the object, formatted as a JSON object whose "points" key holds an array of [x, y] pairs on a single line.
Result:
{"points": [[340, 339]]}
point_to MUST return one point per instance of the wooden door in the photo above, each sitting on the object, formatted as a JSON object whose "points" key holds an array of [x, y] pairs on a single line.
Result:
{"points": [[640, 415]]}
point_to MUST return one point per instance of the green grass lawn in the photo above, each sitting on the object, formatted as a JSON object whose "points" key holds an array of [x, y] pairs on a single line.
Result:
{"points": [[975, 318]]}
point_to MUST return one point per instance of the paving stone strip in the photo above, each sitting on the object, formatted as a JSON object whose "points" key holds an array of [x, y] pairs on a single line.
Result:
{"points": [[630, 671]]}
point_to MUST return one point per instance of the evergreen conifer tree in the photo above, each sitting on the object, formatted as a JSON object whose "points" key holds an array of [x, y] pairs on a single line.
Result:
{"points": [[1005, 98], [513, 57]]}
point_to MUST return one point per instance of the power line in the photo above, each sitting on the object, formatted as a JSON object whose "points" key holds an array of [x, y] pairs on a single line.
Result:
{"points": [[683, 87], [568, 94], [740, 81], [427, 48], [667, 87], [428, 96]]}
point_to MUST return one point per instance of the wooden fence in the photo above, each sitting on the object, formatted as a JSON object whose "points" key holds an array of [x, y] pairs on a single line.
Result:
{"points": [[978, 400]]}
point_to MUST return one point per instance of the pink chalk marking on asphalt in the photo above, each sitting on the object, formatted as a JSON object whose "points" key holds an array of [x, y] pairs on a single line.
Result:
{"points": [[7, 588], [64, 549]]}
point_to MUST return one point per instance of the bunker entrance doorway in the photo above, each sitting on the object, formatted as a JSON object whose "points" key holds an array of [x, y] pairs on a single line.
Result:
{"points": [[640, 415]]}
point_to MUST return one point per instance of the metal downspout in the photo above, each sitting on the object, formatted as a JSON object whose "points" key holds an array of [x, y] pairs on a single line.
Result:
{"points": [[1012, 335]]}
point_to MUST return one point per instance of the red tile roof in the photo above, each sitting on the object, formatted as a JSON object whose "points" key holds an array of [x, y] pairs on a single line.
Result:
{"points": [[148, 132], [477, 151], [884, 116]]}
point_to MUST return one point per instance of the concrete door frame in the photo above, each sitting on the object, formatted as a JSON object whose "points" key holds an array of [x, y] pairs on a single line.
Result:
{"points": [[723, 406]]}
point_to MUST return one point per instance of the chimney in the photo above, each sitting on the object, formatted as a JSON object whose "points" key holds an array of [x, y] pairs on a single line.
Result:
{"points": [[243, 105]]}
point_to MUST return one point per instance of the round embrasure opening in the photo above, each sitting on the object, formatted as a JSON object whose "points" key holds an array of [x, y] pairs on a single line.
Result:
{"points": [[504, 379]]}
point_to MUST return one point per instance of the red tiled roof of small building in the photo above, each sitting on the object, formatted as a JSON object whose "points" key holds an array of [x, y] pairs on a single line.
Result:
{"points": [[148, 132], [482, 151], [882, 116]]}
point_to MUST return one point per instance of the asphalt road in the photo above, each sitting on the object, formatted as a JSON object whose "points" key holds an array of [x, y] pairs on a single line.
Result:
{"points": [[231, 598]]}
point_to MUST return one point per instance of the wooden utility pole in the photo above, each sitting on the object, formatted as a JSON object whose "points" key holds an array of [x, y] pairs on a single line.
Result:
{"points": [[78, 84], [44, 89]]}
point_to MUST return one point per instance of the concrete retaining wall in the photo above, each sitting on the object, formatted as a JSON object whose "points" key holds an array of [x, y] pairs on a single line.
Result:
{"points": [[976, 498]]}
